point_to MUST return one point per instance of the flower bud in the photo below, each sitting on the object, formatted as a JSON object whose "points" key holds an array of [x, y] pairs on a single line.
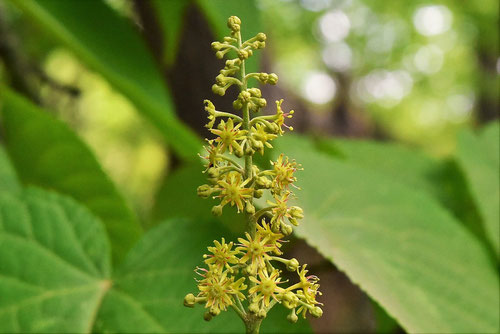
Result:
{"points": [[189, 300], [243, 54], [219, 54], [292, 317], [237, 104], [273, 79], [234, 23], [216, 46], [316, 312], [261, 37], [204, 191], [263, 181], [286, 229], [261, 103], [217, 210], [220, 79], [258, 193], [255, 92], [250, 208], [218, 90], [213, 172], [293, 221], [296, 212], [292, 264]]}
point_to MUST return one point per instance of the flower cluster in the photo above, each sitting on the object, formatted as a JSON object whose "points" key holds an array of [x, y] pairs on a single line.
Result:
{"points": [[247, 273]]}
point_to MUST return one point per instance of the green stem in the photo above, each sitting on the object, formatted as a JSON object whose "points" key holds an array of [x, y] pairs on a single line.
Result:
{"points": [[252, 323]]}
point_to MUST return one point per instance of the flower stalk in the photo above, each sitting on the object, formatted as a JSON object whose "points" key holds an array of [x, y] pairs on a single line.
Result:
{"points": [[247, 276]]}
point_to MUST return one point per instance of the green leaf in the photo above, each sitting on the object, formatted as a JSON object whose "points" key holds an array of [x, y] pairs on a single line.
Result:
{"points": [[108, 44], [150, 286], [54, 264], [55, 274], [398, 244], [217, 13], [8, 177], [47, 153], [440, 178], [170, 17], [479, 158]]}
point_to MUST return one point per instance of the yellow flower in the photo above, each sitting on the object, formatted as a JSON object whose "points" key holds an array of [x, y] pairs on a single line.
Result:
{"points": [[261, 135], [212, 156], [280, 117], [280, 209], [217, 290], [272, 238], [283, 171], [228, 136], [308, 285], [267, 287], [222, 255], [232, 190], [255, 250]]}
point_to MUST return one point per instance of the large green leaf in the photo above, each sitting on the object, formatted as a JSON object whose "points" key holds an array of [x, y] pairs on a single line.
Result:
{"points": [[8, 178], [479, 158], [149, 287], [47, 153], [170, 16], [441, 179], [398, 244], [106, 42], [54, 264], [55, 274], [218, 11]]}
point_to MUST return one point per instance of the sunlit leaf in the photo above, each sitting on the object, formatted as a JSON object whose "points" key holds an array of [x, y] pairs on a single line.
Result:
{"points": [[442, 179], [108, 43], [55, 274], [47, 153], [479, 158], [399, 245], [54, 264]]}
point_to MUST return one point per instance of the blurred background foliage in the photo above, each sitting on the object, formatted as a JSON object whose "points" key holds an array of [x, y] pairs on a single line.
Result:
{"points": [[412, 72], [416, 73]]}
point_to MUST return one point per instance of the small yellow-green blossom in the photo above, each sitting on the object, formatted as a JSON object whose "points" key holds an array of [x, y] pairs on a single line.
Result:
{"points": [[250, 269], [222, 255], [229, 136], [266, 286], [232, 190], [255, 251]]}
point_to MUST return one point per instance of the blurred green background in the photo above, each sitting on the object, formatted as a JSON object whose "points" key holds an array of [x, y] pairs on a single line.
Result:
{"points": [[412, 72]]}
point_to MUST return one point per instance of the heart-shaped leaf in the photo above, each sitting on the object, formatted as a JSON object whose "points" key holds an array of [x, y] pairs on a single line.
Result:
{"points": [[55, 274]]}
